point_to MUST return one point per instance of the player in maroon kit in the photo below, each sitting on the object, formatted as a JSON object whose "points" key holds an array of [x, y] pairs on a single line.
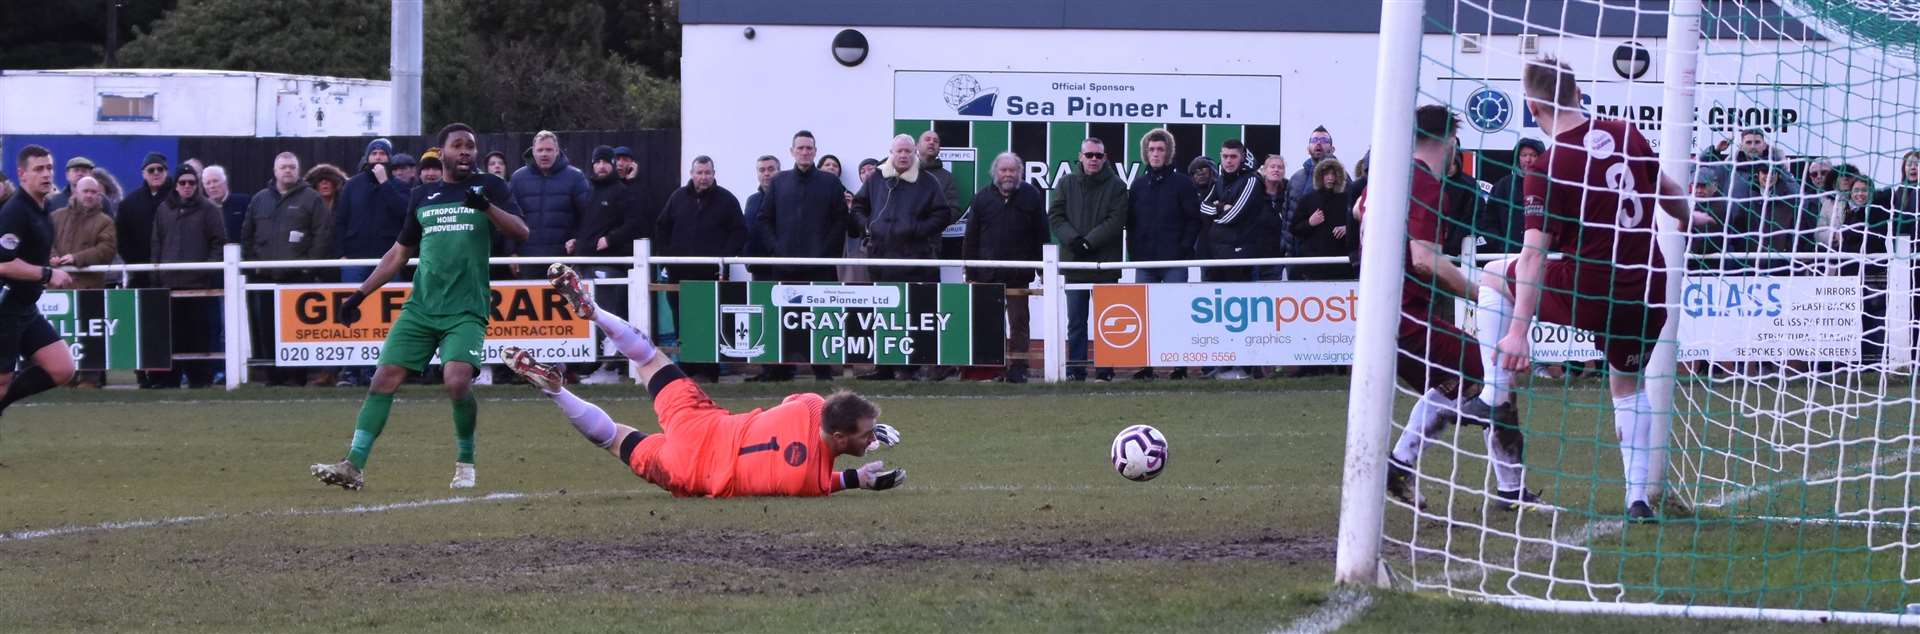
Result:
{"points": [[1433, 356], [1592, 203]]}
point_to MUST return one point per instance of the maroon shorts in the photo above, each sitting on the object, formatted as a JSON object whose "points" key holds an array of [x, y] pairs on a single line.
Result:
{"points": [[1625, 318], [1437, 356]]}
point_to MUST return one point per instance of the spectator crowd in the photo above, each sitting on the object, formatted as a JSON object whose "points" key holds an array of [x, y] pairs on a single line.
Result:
{"points": [[904, 204]]}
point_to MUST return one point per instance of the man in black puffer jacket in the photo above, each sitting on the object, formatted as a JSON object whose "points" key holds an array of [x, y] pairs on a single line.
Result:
{"points": [[553, 194]]}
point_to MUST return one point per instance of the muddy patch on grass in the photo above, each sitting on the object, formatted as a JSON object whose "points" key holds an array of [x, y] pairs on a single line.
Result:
{"points": [[727, 562]]}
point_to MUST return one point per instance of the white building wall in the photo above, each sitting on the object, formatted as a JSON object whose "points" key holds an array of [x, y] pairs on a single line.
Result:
{"points": [[194, 103], [743, 98]]}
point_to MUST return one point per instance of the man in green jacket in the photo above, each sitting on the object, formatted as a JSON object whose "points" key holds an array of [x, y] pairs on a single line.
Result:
{"points": [[1088, 215]]}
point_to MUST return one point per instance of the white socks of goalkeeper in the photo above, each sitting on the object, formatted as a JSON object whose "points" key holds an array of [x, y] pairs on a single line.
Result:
{"points": [[628, 339], [587, 418], [1423, 424], [1492, 315], [1633, 422]]}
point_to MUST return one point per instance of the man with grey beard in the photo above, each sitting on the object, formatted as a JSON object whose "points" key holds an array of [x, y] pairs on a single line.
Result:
{"points": [[1008, 221]]}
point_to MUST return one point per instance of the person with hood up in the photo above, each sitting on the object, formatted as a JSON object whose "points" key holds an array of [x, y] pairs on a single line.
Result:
{"points": [[553, 195], [1500, 225], [1323, 223], [1164, 218], [901, 211], [1088, 216], [369, 211]]}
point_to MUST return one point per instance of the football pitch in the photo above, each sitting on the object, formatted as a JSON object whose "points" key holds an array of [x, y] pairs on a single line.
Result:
{"points": [[193, 511]]}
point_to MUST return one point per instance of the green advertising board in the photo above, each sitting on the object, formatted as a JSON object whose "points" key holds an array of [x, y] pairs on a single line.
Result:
{"points": [[1043, 117], [114, 329], [864, 324]]}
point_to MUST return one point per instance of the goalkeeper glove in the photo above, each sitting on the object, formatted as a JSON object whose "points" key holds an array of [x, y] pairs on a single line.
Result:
{"points": [[349, 309], [872, 476], [476, 200], [884, 435]]}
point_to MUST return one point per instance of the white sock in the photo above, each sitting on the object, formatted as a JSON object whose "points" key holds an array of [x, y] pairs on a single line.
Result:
{"points": [[628, 339], [1423, 423], [587, 418], [1650, 441], [1626, 425], [1492, 315], [1508, 471]]}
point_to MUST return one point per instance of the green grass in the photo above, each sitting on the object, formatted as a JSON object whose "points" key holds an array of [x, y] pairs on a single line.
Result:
{"points": [[1011, 521]]}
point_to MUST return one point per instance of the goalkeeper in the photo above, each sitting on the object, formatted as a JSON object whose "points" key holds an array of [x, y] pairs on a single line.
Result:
{"points": [[705, 450]]}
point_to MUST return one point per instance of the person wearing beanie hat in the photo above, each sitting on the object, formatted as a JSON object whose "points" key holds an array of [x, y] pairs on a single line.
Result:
{"points": [[625, 165], [190, 228], [133, 222], [405, 170], [615, 216], [431, 169]]}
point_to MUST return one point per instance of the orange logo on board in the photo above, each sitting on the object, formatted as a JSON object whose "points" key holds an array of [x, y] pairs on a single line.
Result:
{"points": [[1120, 325]]}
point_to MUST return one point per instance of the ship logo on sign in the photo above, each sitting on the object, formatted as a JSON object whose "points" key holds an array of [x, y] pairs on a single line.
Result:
{"points": [[964, 94], [738, 337]]}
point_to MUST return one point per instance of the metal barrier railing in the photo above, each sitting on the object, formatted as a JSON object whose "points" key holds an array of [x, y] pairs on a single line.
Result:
{"points": [[642, 265]]}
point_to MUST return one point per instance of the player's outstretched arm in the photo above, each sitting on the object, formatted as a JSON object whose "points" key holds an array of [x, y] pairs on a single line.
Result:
{"points": [[1673, 200], [1528, 271], [383, 272]]}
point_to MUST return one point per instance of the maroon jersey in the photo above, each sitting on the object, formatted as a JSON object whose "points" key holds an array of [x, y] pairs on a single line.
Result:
{"points": [[1596, 201], [1423, 223]]}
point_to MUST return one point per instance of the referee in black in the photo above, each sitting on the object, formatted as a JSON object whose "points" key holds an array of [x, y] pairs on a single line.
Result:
{"points": [[26, 236]]}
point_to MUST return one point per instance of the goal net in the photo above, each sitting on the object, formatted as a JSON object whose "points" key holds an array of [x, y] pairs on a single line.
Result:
{"points": [[1783, 459]]}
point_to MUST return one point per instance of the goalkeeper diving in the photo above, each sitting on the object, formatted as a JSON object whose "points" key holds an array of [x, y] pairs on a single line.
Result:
{"points": [[703, 450]]}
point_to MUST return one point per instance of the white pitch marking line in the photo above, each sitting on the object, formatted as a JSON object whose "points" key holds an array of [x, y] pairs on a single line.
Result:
{"points": [[103, 527], [1342, 607]]}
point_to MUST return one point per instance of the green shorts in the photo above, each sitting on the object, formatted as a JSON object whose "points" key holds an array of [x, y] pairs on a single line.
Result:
{"points": [[416, 337]]}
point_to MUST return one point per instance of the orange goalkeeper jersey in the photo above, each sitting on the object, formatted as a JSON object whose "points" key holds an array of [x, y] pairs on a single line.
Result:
{"points": [[706, 450]]}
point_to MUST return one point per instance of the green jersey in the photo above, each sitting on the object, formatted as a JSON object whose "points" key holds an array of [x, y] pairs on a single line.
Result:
{"points": [[454, 243]]}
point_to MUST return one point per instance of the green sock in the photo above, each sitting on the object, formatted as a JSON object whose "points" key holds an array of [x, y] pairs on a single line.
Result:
{"points": [[466, 416], [373, 418]]}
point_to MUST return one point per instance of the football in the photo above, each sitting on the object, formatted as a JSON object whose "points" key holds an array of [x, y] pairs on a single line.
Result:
{"points": [[1139, 453]]}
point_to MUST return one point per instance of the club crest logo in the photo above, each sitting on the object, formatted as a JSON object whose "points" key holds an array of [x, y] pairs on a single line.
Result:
{"points": [[738, 335]]}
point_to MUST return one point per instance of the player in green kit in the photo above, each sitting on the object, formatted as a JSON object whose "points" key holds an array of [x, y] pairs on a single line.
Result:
{"points": [[451, 225]]}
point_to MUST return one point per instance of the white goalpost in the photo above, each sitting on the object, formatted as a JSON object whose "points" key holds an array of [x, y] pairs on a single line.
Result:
{"points": [[1785, 451]]}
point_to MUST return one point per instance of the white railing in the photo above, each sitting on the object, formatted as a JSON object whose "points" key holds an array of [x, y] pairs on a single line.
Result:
{"points": [[642, 265]]}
